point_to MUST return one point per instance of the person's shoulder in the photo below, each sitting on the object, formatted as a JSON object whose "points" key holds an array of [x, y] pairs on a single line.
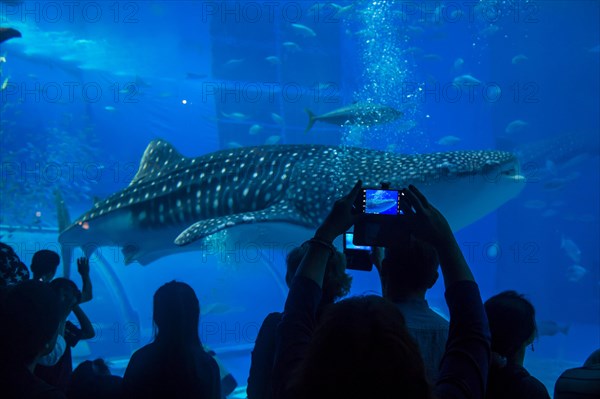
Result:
{"points": [[533, 387], [144, 351], [204, 358], [272, 318], [438, 317]]}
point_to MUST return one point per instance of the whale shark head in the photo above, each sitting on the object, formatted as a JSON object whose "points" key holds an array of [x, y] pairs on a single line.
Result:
{"points": [[276, 195]]}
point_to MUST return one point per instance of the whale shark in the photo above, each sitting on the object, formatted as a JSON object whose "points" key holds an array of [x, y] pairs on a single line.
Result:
{"points": [[275, 195]]}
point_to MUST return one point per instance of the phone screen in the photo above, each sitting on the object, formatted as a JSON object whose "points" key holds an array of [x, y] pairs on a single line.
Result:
{"points": [[381, 202]]}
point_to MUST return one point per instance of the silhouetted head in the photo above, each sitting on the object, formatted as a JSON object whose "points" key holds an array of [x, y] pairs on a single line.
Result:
{"points": [[91, 368], [336, 283], [44, 264], [409, 268], [512, 322], [29, 316], [68, 293], [362, 349], [176, 315], [593, 359], [92, 380]]}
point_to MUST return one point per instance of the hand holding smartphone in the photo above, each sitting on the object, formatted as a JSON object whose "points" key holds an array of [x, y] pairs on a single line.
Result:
{"points": [[384, 220]]}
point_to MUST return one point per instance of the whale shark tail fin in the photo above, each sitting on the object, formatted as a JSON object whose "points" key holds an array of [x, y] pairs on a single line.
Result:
{"points": [[311, 120]]}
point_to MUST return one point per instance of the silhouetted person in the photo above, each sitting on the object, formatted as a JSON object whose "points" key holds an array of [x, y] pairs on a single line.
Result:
{"points": [[175, 365], [360, 347], [335, 286], [59, 374], [93, 380], [407, 272], [581, 382], [512, 323], [29, 319], [44, 264], [12, 270]]}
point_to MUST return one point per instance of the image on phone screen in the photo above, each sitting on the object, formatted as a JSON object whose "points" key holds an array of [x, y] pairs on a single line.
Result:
{"points": [[381, 202]]}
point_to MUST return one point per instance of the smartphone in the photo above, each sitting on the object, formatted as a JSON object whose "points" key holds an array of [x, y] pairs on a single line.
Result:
{"points": [[383, 221], [358, 257]]}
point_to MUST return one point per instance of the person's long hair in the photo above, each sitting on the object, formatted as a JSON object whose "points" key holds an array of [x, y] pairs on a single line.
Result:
{"points": [[176, 315]]}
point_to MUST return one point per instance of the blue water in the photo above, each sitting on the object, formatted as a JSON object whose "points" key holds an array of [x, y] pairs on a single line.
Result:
{"points": [[87, 88]]}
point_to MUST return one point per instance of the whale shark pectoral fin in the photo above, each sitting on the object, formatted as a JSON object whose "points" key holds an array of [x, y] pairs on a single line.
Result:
{"points": [[276, 213], [130, 253]]}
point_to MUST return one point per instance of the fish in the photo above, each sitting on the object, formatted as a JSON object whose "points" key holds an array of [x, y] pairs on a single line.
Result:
{"points": [[272, 139], [571, 249], [255, 129], [219, 308], [233, 62], [517, 59], [291, 47], [304, 30], [448, 140], [341, 10], [466, 80], [458, 63], [489, 30], [356, 114], [575, 273], [140, 83], [273, 59], [548, 213], [277, 119], [550, 328], [238, 116], [275, 195], [557, 183], [195, 76], [534, 204], [8, 33], [516, 126]]}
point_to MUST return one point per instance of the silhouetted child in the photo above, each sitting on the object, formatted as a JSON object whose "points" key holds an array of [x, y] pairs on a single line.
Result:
{"points": [[59, 374], [44, 264]]}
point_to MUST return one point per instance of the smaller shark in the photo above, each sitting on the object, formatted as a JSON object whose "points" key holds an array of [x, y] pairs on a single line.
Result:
{"points": [[8, 33], [355, 114]]}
